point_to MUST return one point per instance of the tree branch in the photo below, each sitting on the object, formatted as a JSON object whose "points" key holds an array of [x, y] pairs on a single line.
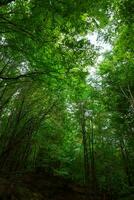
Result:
{"points": [[5, 2], [28, 75]]}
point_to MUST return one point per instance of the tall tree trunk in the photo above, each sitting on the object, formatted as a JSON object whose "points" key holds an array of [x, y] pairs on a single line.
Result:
{"points": [[126, 161], [93, 171]]}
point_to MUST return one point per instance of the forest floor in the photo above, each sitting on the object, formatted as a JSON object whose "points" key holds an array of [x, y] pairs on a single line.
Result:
{"points": [[39, 186], [32, 186], [42, 186]]}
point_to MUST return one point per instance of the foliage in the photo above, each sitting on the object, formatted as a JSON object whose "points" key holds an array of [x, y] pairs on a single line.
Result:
{"points": [[52, 117]]}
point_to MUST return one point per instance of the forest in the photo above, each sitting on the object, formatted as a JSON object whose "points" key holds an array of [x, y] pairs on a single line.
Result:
{"points": [[66, 100]]}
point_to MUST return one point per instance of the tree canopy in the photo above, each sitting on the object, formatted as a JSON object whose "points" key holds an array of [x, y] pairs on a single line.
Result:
{"points": [[67, 106]]}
